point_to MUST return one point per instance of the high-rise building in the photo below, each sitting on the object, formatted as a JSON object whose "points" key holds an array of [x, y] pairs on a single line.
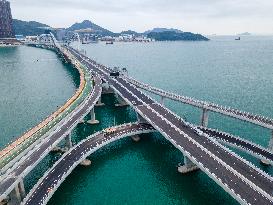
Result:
{"points": [[6, 28]]}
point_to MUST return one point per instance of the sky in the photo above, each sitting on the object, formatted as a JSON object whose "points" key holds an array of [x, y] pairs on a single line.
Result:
{"points": [[222, 17]]}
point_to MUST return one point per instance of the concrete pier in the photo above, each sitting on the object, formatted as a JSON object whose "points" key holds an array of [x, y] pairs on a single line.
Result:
{"points": [[204, 118], [86, 162], [140, 119], [17, 194], [270, 147], [82, 121], [93, 120], [68, 142], [162, 100], [136, 138], [106, 89], [121, 102], [99, 103], [188, 166]]}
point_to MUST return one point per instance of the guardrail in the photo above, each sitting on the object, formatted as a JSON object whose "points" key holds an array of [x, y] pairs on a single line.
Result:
{"points": [[235, 113]]}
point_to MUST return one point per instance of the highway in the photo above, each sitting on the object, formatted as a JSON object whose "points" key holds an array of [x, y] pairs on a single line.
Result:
{"points": [[237, 142], [49, 143], [47, 185], [241, 179], [235, 113]]}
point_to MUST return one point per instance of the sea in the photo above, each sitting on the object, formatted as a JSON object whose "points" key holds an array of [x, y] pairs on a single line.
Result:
{"points": [[239, 74]]}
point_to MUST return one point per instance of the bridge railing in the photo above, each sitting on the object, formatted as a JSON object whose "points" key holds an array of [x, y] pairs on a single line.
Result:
{"points": [[246, 116], [76, 163]]}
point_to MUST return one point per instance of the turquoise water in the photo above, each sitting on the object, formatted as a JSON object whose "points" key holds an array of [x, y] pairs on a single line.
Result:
{"points": [[30, 89], [228, 72]]}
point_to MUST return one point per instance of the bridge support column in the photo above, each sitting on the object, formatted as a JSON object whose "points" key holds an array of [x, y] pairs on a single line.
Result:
{"points": [[93, 120], [188, 166], [204, 118], [68, 142], [140, 119], [17, 194], [162, 100], [99, 103], [270, 147], [121, 102], [136, 138], [86, 162], [106, 89]]}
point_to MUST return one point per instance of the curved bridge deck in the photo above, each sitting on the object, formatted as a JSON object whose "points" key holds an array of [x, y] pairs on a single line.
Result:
{"points": [[45, 188], [241, 179], [27, 164], [237, 142], [235, 113]]}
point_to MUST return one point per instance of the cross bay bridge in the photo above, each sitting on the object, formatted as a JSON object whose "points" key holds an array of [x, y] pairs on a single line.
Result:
{"points": [[199, 144]]}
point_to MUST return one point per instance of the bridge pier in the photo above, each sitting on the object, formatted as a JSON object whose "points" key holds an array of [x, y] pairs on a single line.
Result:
{"points": [[204, 118], [106, 89], [136, 138], [86, 162], [17, 194], [99, 103], [68, 142], [93, 120], [140, 119], [162, 100], [188, 166], [270, 147], [121, 102]]}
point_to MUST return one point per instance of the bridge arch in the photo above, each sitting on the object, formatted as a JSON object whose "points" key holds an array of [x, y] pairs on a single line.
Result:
{"points": [[53, 178]]}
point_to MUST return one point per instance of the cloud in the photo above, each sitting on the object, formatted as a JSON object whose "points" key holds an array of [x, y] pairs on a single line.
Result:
{"points": [[119, 14]]}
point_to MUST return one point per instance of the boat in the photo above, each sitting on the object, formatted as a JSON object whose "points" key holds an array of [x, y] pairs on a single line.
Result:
{"points": [[238, 39], [89, 42], [109, 42]]}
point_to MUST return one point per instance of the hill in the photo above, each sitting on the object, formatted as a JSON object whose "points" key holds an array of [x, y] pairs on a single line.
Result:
{"points": [[86, 24], [174, 36], [160, 30], [28, 28]]}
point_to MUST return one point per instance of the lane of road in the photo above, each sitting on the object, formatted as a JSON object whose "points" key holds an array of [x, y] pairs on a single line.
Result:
{"points": [[238, 142]]}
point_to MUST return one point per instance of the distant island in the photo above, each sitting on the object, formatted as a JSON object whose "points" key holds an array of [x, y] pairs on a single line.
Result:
{"points": [[32, 28], [244, 34], [174, 36]]}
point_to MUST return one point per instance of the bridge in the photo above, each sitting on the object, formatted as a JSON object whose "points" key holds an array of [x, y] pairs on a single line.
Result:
{"points": [[47, 185], [199, 144]]}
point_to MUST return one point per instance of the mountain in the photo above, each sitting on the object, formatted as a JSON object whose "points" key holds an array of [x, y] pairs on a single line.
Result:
{"points": [[89, 25], [28, 28], [174, 36], [160, 30]]}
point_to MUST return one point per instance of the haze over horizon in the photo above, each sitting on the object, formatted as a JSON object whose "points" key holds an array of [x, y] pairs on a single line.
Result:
{"points": [[222, 17]]}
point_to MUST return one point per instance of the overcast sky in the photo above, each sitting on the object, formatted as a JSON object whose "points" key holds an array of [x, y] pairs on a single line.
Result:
{"points": [[200, 16]]}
